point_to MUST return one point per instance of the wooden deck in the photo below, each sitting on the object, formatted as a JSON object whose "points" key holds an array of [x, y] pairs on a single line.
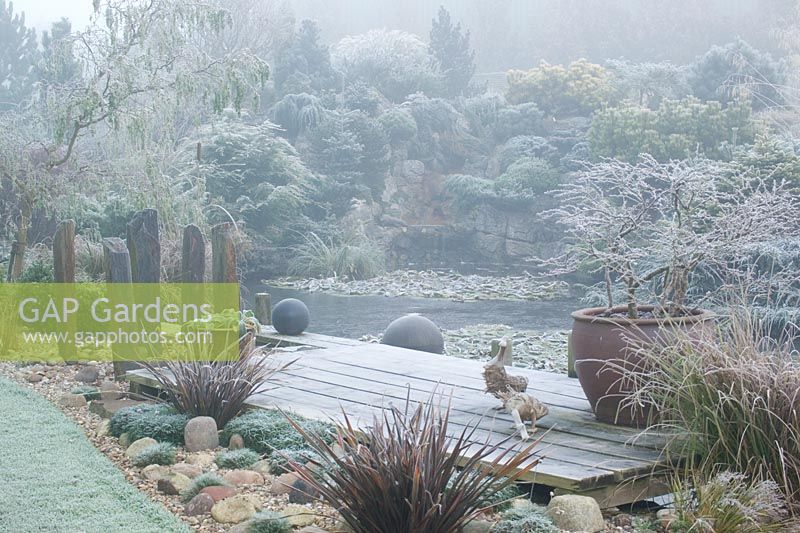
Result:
{"points": [[579, 454]]}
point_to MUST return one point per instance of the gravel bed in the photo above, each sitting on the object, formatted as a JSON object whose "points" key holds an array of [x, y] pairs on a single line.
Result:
{"points": [[434, 284]]}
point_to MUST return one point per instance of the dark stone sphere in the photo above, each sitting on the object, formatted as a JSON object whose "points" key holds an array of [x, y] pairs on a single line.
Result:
{"points": [[290, 317], [414, 332]]}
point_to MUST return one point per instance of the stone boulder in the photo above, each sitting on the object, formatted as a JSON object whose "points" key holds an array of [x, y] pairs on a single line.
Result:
{"points": [[219, 492], [233, 510], [414, 332], [243, 477], [236, 442], [199, 505], [136, 447], [155, 472], [201, 434], [173, 483], [571, 512], [298, 515], [190, 471], [72, 400], [87, 374]]}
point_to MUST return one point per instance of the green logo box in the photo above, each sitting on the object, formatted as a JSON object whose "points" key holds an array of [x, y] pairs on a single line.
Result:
{"points": [[144, 322]]}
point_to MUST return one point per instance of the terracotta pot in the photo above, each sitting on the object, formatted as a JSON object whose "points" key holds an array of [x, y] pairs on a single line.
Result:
{"points": [[600, 343]]}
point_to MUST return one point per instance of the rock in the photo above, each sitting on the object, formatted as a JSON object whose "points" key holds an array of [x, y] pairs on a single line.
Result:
{"points": [[236, 442], [138, 445], [312, 529], [190, 471], [103, 428], [666, 517], [301, 492], [155, 472], [283, 483], [243, 477], [290, 317], [87, 374], [414, 332], [110, 391], [201, 434], [262, 467], [622, 520], [107, 408], [124, 440], [477, 526], [72, 400], [173, 483], [233, 510], [200, 504], [34, 377], [201, 459], [571, 512], [219, 492], [298, 515]]}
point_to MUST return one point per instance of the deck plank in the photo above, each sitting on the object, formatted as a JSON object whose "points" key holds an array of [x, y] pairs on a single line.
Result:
{"points": [[578, 453]]}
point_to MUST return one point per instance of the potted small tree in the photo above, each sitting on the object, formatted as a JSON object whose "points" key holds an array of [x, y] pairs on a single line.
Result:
{"points": [[649, 229]]}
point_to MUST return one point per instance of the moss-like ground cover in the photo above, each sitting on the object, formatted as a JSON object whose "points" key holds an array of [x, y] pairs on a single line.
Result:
{"points": [[54, 480]]}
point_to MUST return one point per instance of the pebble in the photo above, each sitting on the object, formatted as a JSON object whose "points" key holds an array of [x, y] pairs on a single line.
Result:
{"points": [[34, 377]]}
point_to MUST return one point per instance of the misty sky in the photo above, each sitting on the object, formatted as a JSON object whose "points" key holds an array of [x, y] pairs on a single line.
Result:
{"points": [[519, 33], [41, 13]]}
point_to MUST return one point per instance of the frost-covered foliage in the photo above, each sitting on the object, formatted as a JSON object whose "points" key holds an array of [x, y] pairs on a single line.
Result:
{"points": [[395, 62], [162, 453], [528, 519], [297, 113], [202, 481], [48, 458], [256, 175], [527, 178], [737, 71], [678, 129], [303, 65], [524, 146], [18, 57], [729, 502], [451, 54], [523, 119], [650, 225], [268, 522], [769, 158], [158, 421], [265, 431], [242, 458], [351, 255], [349, 147], [577, 89], [647, 84], [399, 124]]}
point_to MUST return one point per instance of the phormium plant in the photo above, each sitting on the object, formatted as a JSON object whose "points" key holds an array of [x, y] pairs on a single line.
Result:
{"points": [[214, 388], [406, 473]]}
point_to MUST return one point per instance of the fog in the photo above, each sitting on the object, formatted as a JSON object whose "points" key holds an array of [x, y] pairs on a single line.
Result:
{"points": [[519, 33]]}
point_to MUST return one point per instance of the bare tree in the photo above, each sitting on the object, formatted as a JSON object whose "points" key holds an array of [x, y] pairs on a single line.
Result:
{"points": [[654, 224]]}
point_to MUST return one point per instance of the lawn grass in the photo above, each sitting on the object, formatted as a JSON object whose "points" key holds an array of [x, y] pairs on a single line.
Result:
{"points": [[53, 479]]}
